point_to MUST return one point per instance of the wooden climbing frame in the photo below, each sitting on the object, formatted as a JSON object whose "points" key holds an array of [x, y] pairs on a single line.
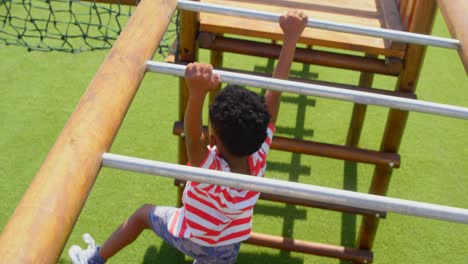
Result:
{"points": [[51, 205]]}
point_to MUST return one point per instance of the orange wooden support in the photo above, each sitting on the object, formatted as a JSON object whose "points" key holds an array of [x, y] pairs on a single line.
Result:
{"points": [[323, 150], [455, 12], [330, 59], [42, 222], [289, 244], [188, 52], [216, 59], [359, 110], [422, 21]]}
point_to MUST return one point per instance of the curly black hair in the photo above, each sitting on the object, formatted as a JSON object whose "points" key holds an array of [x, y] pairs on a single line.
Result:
{"points": [[240, 118]]}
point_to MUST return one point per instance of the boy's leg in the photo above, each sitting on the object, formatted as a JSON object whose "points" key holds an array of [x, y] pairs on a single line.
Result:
{"points": [[127, 232]]}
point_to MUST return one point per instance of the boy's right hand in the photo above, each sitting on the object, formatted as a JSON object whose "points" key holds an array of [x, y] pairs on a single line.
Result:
{"points": [[293, 23], [200, 78]]}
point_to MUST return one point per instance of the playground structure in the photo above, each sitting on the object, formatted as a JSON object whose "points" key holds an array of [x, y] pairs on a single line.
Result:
{"points": [[78, 153]]}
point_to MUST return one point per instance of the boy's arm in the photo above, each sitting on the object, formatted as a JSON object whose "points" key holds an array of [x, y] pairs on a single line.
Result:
{"points": [[200, 80], [292, 24]]}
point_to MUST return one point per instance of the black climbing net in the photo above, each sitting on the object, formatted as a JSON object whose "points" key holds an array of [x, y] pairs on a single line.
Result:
{"points": [[69, 25]]}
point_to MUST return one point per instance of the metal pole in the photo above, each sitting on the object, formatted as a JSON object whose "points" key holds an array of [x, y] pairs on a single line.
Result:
{"points": [[288, 189], [400, 36], [321, 91]]}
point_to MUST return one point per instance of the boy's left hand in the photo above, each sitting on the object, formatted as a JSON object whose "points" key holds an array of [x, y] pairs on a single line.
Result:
{"points": [[293, 23]]}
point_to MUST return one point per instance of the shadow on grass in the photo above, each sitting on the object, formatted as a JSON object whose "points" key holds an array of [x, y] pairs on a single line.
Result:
{"points": [[348, 221], [295, 169], [166, 254]]}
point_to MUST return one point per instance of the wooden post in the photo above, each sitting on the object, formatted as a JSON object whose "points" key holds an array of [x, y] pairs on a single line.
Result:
{"points": [[422, 22], [454, 12], [42, 222], [216, 59], [188, 52], [359, 110]]}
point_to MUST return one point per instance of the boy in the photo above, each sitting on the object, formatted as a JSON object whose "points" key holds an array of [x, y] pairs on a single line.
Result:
{"points": [[214, 220]]}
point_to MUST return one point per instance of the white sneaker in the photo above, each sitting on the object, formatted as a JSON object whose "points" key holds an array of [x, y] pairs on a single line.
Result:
{"points": [[81, 256]]}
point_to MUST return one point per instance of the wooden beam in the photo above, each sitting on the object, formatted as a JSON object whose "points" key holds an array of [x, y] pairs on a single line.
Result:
{"points": [[246, 47], [336, 151], [43, 220], [455, 12], [325, 250], [323, 150]]}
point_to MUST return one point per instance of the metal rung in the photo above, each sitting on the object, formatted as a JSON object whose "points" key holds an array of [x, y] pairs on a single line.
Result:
{"points": [[308, 203], [321, 91], [401, 36], [288, 189]]}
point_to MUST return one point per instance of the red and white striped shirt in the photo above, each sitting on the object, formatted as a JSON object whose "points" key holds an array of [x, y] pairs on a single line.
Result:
{"points": [[214, 215]]}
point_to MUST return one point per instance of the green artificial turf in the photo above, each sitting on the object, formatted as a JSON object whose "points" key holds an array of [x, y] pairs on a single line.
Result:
{"points": [[39, 91]]}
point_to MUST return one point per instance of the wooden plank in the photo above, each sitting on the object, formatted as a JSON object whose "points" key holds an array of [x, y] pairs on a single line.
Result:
{"points": [[42, 222], [455, 12], [330, 59], [391, 20], [322, 149], [358, 12], [320, 249]]}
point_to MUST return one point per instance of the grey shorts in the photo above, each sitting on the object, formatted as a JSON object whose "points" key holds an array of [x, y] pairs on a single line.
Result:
{"points": [[159, 217]]}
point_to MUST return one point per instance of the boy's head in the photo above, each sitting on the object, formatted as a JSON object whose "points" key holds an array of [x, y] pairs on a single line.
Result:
{"points": [[240, 119]]}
